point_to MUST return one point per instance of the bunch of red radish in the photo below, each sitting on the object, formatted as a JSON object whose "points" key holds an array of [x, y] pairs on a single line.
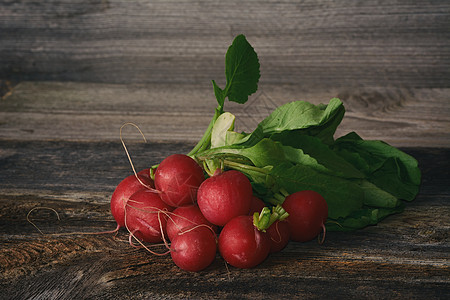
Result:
{"points": [[201, 215]]}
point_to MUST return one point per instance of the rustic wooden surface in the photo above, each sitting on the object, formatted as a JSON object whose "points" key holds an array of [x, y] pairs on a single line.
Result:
{"points": [[330, 43], [95, 111], [72, 72]]}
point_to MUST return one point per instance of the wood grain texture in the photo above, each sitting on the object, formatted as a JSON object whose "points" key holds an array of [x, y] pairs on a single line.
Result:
{"points": [[325, 43], [165, 112], [72, 72], [405, 256]]}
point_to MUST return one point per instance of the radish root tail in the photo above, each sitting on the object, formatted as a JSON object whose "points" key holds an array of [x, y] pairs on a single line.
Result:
{"points": [[128, 154], [132, 236], [67, 233], [43, 207], [324, 229]]}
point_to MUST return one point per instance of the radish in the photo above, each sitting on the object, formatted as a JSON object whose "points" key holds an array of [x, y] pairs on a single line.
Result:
{"points": [[273, 221], [224, 196], [256, 206], [146, 216], [178, 177], [241, 244], [194, 249], [124, 190], [308, 212], [280, 234], [185, 217]]}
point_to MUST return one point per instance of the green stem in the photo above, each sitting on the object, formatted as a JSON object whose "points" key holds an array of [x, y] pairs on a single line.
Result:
{"points": [[261, 220], [265, 219], [205, 141], [284, 192], [211, 166], [152, 171], [278, 213], [233, 164], [279, 197]]}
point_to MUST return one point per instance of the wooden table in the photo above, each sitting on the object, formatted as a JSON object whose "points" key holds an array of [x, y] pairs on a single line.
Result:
{"points": [[73, 73]]}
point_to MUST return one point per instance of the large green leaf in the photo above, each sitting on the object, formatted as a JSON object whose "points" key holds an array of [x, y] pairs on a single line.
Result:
{"points": [[361, 218], [385, 166], [376, 197], [265, 153], [311, 151], [241, 70], [294, 119]]}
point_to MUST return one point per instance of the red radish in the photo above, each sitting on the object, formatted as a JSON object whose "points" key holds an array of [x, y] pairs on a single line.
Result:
{"points": [[185, 217], [124, 190], [145, 216], [194, 249], [280, 234], [242, 245], [308, 212], [256, 206], [146, 173], [225, 196], [178, 177]]}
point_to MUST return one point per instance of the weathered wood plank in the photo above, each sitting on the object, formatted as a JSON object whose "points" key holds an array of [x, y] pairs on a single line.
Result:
{"points": [[324, 43], [165, 112]]}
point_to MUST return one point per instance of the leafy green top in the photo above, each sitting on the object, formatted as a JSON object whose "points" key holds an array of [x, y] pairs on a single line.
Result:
{"points": [[242, 75], [241, 72], [294, 149]]}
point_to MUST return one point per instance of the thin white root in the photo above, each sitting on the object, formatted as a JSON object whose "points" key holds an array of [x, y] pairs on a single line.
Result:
{"points": [[67, 233], [43, 207], [128, 154], [145, 247], [131, 234], [130, 240], [195, 227], [321, 241]]}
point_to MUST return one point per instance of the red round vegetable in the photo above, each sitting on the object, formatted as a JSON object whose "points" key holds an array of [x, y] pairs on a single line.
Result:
{"points": [[225, 196], [178, 177], [145, 216], [279, 233], [185, 217], [256, 206], [242, 245], [194, 249], [124, 190], [308, 212]]}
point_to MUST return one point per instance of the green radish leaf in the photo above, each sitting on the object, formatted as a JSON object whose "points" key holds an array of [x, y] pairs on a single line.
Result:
{"points": [[305, 118], [361, 218], [242, 76], [376, 197], [241, 70], [233, 138], [303, 115], [265, 153], [294, 119], [385, 166], [311, 151]]}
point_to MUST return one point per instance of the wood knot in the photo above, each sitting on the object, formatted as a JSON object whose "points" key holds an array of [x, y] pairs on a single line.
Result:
{"points": [[371, 101]]}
